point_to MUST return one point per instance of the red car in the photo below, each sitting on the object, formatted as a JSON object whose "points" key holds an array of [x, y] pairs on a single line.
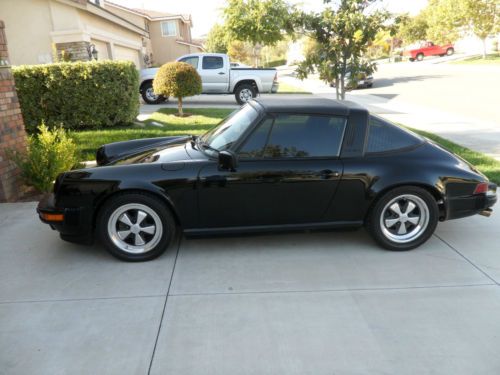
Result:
{"points": [[429, 49]]}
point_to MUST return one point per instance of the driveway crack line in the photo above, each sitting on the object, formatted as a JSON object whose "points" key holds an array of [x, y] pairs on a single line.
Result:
{"points": [[468, 260], [164, 306]]}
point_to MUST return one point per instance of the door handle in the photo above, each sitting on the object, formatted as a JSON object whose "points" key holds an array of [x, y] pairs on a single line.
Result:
{"points": [[221, 73], [328, 173]]}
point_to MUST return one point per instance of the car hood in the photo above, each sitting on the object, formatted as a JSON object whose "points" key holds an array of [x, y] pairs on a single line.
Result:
{"points": [[174, 150]]}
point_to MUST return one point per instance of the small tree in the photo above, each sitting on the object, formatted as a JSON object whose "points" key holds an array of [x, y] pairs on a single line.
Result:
{"points": [[445, 19], [179, 80], [259, 22], [484, 18], [217, 41], [342, 37]]}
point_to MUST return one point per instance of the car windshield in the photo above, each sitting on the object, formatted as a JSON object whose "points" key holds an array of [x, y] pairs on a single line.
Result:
{"points": [[229, 130]]}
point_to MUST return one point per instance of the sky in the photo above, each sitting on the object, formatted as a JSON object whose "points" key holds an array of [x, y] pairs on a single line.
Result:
{"points": [[205, 13]]}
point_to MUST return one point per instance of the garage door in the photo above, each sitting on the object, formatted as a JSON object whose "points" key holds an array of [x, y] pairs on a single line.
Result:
{"points": [[124, 53]]}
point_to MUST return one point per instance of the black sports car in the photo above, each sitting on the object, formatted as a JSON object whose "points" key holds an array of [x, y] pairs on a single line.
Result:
{"points": [[272, 165]]}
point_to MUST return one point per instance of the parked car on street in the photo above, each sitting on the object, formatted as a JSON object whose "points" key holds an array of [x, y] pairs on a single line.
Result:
{"points": [[273, 165], [218, 77], [362, 81], [429, 49]]}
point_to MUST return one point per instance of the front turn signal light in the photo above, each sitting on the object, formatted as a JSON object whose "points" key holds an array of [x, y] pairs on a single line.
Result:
{"points": [[52, 217]]}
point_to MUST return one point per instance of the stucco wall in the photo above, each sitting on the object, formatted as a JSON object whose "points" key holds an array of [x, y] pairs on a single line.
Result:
{"points": [[28, 30], [165, 49]]}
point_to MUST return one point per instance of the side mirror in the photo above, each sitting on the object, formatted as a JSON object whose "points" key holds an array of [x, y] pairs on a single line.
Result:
{"points": [[228, 160]]}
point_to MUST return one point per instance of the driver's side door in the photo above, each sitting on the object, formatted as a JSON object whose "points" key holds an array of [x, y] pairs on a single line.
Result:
{"points": [[288, 172]]}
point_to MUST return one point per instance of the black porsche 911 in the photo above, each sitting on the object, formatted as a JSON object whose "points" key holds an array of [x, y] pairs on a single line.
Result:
{"points": [[272, 165]]}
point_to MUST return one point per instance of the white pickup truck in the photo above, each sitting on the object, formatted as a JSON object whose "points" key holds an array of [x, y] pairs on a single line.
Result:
{"points": [[218, 77]]}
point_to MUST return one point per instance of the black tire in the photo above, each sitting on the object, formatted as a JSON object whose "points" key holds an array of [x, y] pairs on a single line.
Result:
{"points": [[379, 231], [412, 59], [369, 86], [147, 96], [420, 57], [450, 51], [242, 89], [160, 239]]}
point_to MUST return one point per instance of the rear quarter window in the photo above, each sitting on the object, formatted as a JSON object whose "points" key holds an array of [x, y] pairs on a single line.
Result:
{"points": [[384, 136]]}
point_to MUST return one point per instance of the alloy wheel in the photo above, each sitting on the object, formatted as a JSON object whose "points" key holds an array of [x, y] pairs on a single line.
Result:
{"points": [[404, 218], [135, 228]]}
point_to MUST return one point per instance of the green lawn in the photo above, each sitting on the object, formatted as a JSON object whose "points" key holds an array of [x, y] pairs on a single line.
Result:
{"points": [[493, 58], [285, 88], [203, 119], [487, 165]]}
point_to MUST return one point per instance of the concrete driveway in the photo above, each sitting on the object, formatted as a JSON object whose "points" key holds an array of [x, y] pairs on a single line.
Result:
{"points": [[304, 303]]}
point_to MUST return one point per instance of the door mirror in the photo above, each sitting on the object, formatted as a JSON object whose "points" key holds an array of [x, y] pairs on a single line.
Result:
{"points": [[228, 161]]}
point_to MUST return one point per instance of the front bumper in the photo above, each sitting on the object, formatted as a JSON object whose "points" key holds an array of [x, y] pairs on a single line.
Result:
{"points": [[72, 223], [459, 207]]}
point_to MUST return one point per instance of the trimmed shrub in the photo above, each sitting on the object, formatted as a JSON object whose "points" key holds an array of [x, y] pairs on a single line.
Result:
{"points": [[177, 79], [274, 63], [48, 153], [78, 94]]}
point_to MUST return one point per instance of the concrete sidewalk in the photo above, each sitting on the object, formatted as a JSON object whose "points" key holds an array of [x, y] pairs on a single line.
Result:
{"points": [[304, 303]]}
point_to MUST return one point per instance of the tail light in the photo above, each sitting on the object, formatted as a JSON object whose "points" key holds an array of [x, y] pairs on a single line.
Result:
{"points": [[276, 77], [481, 188]]}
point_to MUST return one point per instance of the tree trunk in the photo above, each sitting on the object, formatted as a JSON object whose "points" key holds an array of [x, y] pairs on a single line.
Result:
{"points": [[484, 48], [179, 106], [337, 91]]}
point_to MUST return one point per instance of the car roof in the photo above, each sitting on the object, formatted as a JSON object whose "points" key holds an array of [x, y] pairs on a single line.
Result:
{"points": [[309, 105]]}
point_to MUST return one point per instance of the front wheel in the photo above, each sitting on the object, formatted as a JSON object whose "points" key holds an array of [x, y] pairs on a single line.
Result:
{"points": [[148, 94], [420, 56], [404, 218], [136, 226], [245, 93]]}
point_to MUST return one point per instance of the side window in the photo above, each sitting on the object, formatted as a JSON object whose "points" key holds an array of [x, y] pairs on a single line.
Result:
{"points": [[212, 62], [191, 60], [384, 136], [295, 136], [254, 145]]}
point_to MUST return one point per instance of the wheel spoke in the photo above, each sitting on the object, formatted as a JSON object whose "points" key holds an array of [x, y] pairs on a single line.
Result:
{"points": [[410, 208], [414, 220], [391, 222], [149, 230], [396, 209], [141, 215], [402, 229], [125, 220], [138, 240], [123, 234]]}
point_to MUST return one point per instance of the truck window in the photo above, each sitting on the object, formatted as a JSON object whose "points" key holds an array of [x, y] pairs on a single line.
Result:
{"points": [[191, 60], [212, 62]]}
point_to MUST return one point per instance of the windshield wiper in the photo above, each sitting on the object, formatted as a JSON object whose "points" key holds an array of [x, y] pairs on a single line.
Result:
{"points": [[205, 145]]}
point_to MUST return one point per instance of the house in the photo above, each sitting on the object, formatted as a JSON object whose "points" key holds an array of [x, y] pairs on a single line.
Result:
{"points": [[39, 30], [169, 34]]}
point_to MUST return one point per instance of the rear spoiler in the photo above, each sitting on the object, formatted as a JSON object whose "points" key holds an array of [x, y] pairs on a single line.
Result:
{"points": [[112, 152]]}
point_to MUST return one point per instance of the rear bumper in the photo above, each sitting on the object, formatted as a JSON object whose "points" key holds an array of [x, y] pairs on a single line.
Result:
{"points": [[471, 205], [73, 224], [275, 87]]}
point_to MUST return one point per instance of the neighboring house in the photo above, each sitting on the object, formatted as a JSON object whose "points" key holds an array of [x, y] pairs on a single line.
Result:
{"points": [[170, 34], [37, 30]]}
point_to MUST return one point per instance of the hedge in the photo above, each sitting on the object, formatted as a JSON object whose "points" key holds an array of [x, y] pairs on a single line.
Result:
{"points": [[78, 95], [274, 63]]}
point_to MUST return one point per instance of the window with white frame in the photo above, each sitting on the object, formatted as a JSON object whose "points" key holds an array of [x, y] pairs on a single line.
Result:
{"points": [[169, 28]]}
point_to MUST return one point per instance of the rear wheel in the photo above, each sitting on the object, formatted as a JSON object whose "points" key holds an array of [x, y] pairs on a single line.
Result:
{"points": [[404, 218], [136, 226], [244, 93], [450, 51], [148, 94], [420, 56]]}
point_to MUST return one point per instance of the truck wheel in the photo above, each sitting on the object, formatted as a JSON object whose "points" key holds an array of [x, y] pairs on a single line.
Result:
{"points": [[450, 51], [412, 59], [148, 94], [420, 56], [244, 93]]}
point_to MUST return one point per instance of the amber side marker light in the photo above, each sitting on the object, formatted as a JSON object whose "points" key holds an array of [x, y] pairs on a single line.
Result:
{"points": [[52, 217]]}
